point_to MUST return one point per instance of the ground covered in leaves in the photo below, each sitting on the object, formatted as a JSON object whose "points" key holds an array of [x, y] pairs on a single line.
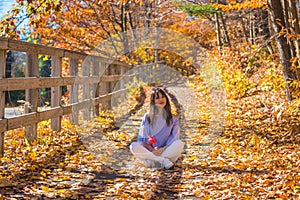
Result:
{"points": [[255, 157]]}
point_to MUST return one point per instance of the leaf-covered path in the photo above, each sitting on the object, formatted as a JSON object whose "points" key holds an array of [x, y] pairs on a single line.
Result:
{"points": [[75, 166], [247, 160]]}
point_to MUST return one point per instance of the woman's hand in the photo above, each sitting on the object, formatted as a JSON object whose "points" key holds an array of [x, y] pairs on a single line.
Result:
{"points": [[158, 151], [148, 146]]}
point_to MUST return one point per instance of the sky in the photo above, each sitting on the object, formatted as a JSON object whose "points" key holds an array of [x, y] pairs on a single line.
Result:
{"points": [[5, 5]]}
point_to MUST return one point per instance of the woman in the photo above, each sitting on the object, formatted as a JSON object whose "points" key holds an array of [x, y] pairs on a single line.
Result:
{"points": [[158, 139]]}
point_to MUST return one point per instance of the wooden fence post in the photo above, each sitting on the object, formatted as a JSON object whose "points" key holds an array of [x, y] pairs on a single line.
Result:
{"points": [[102, 85], [145, 73], [2, 97], [152, 74], [124, 77], [31, 95], [56, 63], [139, 72], [110, 70], [106, 87], [157, 74], [74, 90], [96, 90], [115, 71], [86, 87]]}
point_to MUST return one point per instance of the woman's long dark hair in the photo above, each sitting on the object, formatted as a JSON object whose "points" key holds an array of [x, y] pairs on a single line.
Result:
{"points": [[153, 108]]}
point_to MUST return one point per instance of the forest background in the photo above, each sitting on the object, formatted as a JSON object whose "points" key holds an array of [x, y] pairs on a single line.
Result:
{"points": [[255, 45]]}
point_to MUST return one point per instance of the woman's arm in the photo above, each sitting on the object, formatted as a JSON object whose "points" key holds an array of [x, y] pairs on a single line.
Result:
{"points": [[143, 130], [174, 133]]}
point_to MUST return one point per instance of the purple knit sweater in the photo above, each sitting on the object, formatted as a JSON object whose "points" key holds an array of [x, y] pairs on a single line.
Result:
{"points": [[164, 134]]}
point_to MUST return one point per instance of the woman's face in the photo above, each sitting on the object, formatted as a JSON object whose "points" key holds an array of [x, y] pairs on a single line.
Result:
{"points": [[160, 100]]}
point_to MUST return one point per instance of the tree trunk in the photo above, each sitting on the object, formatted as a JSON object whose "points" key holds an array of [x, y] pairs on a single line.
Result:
{"points": [[218, 30], [217, 24], [288, 27], [296, 27], [8, 73], [264, 17], [148, 15], [156, 33], [252, 28], [225, 32], [124, 28], [278, 22], [241, 17]]}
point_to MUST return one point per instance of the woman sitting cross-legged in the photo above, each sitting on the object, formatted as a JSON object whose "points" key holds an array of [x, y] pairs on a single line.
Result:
{"points": [[158, 139]]}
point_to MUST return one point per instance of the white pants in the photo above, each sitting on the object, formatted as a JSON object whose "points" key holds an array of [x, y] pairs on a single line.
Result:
{"points": [[172, 152]]}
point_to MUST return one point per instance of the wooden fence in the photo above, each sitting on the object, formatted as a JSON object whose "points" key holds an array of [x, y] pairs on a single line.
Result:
{"points": [[91, 82], [87, 89]]}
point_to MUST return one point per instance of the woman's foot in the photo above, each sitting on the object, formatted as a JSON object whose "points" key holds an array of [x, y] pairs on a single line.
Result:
{"points": [[167, 164], [148, 163]]}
